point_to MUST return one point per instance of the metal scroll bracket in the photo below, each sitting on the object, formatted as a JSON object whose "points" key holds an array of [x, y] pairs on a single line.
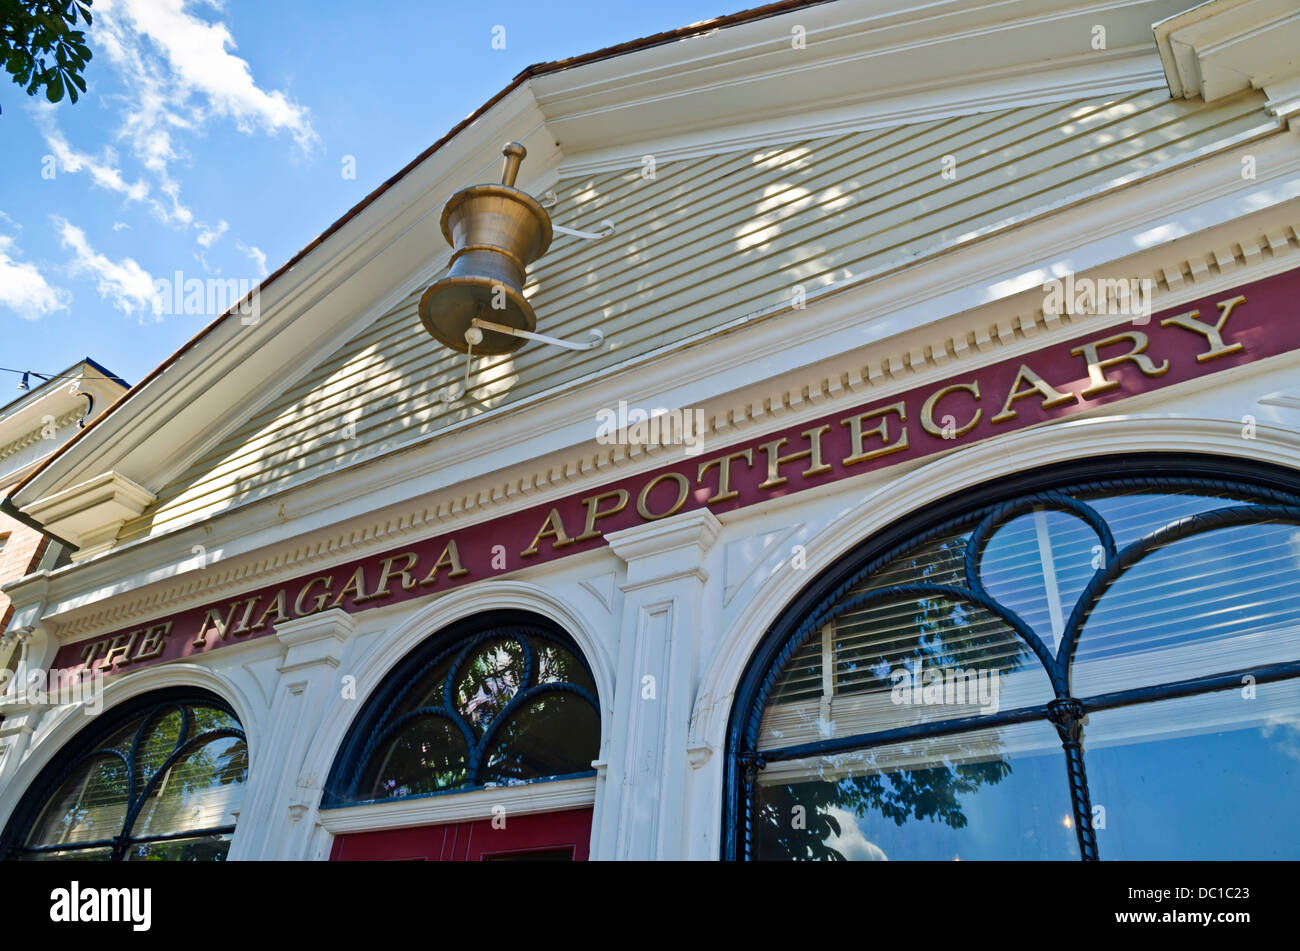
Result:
{"points": [[454, 391]]}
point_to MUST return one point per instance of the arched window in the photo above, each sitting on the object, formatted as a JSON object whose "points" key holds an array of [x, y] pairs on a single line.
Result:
{"points": [[1103, 667], [159, 779], [500, 699]]}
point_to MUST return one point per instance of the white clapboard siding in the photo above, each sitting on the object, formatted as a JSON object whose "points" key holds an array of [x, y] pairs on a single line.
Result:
{"points": [[704, 242]]}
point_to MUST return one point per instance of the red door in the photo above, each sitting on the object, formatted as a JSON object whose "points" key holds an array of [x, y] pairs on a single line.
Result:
{"points": [[549, 836]]}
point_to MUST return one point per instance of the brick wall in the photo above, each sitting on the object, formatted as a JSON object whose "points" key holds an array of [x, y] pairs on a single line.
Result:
{"points": [[22, 551]]}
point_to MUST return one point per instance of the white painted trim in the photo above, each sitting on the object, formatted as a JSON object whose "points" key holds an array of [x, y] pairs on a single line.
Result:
{"points": [[546, 796], [1016, 87]]}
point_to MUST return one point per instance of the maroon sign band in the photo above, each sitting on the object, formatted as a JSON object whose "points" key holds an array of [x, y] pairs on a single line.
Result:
{"points": [[1215, 333]]}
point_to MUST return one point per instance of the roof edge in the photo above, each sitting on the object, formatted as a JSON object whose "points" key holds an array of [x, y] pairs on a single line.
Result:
{"points": [[538, 69]]}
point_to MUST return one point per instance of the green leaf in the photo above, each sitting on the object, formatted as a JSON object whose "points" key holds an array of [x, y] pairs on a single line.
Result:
{"points": [[54, 91]]}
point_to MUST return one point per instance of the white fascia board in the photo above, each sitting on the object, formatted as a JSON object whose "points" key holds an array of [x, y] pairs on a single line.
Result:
{"points": [[967, 286], [305, 314], [856, 51], [1083, 78], [1225, 46]]}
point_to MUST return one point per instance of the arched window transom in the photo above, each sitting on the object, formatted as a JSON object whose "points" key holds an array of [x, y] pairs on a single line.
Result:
{"points": [[508, 703]]}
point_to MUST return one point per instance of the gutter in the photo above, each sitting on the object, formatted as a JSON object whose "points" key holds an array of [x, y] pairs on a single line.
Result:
{"points": [[8, 508]]}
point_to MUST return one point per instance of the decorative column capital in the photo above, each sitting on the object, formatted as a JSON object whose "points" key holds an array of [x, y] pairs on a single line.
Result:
{"points": [[314, 639], [665, 550]]}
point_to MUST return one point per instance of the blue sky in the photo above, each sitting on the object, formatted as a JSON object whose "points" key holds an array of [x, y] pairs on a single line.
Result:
{"points": [[212, 140]]}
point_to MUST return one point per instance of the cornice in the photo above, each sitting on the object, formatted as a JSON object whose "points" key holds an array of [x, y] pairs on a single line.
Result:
{"points": [[33, 436], [1223, 46], [1229, 256], [850, 51], [1080, 77]]}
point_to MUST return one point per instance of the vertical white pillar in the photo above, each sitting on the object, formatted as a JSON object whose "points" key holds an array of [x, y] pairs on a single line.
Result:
{"points": [[645, 785], [21, 713], [278, 819]]}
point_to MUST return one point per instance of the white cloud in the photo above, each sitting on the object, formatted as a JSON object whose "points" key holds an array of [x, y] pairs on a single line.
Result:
{"points": [[23, 289], [179, 73], [103, 171], [852, 843], [255, 255], [196, 77], [210, 236], [129, 287]]}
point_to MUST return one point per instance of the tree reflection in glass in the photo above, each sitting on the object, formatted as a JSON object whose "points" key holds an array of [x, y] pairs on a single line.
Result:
{"points": [[991, 794], [174, 768], [509, 705]]}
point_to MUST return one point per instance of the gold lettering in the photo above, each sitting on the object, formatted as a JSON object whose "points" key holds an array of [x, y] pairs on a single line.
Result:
{"points": [[1051, 397], [813, 454], [1098, 382], [725, 491], [320, 599], [927, 410], [214, 619], [152, 644], [857, 434], [1214, 334], [89, 651], [553, 527], [243, 627], [356, 586], [450, 558], [683, 487], [119, 647], [386, 572], [594, 511], [278, 607]]}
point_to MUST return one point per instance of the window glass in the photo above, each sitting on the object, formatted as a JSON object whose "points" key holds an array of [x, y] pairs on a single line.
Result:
{"points": [[867, 745], [898, 662], [1210, 603], [991, 794], [506, 704], [1212, 776], [176, 767]]}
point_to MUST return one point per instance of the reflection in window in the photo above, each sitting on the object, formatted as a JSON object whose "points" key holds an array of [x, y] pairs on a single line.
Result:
{"points": [[164, 785], [1239, 748], [993, 794], [507, 705], [1002, 686]]}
